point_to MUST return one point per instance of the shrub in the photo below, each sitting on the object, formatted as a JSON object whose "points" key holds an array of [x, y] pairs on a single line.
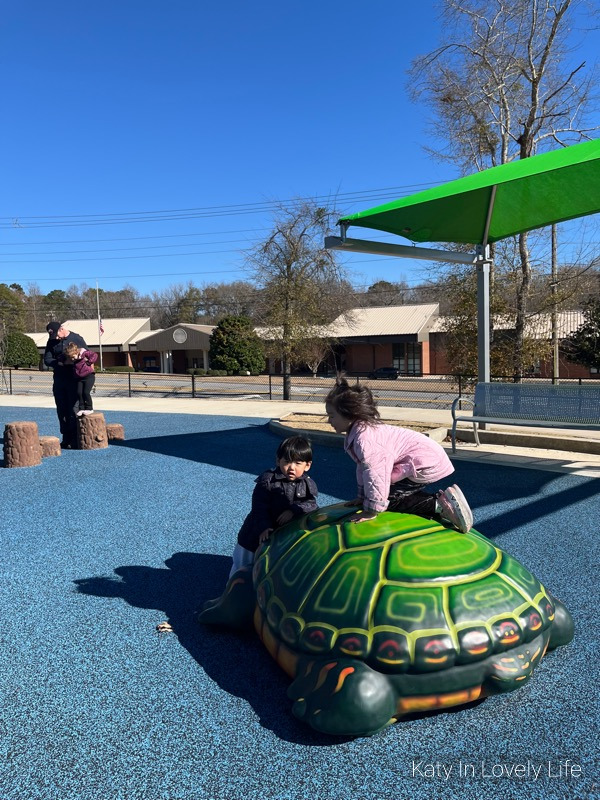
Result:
{"points": [[196, 371], [20, 351], [217, 373], [118, 369], [235, 347]]}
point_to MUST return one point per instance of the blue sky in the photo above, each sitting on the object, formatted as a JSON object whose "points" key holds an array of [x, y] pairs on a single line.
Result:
{"points": [[138, 106]]}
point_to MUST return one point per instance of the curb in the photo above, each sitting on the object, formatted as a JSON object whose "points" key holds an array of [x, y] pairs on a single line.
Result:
{"points": [[316, 437], [337, 439]]}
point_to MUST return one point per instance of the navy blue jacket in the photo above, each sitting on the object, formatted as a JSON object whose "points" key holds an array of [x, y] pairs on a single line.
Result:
{"points": [[53, 355], [272, 495]]}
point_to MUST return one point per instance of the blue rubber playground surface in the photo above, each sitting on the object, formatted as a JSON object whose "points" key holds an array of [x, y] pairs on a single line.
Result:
{"points": [[99, 547]]}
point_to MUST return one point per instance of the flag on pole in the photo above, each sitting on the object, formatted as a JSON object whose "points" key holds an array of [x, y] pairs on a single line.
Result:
{"points": [[100, 327]]}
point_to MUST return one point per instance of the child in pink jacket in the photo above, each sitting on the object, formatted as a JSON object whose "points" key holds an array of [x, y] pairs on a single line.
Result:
{"points": [[394, 465], [83, 368]]}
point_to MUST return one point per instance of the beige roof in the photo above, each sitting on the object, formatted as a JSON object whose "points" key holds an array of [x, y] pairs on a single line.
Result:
{"points": [[40, 339], [117, 332], [143, 334], [538, 326], [378, 321], [387, 321]]}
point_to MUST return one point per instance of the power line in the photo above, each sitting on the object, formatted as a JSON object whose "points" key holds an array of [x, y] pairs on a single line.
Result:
{"points": [[200, 212], [134, 238], [262, 205]]}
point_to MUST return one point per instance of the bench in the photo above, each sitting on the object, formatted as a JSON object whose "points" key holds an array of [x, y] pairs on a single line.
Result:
{"points": [[543, 405]]}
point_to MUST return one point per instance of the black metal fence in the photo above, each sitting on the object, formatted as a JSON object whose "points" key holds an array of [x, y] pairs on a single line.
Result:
{"points": [[429, 391]]}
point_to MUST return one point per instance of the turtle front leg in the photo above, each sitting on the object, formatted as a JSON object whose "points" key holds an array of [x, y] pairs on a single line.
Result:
{"points": [[235, 607], [342, 696]]}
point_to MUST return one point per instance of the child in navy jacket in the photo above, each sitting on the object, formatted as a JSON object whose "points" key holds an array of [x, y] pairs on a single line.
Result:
{"points": [[279, 495]]}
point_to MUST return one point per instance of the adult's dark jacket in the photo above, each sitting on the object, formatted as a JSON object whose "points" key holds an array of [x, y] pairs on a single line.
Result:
{"points": [[53, 355], [272, 495]]}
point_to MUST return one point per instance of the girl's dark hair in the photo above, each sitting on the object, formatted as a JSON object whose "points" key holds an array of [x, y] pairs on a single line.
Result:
{"points": [[353, 402], [295, 448]]}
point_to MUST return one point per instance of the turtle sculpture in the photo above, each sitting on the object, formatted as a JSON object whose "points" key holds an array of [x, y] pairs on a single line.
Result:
{"points": [[389, 617]]}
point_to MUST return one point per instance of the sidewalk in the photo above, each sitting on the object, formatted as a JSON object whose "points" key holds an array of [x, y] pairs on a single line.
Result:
{"points": [[532, 451]]}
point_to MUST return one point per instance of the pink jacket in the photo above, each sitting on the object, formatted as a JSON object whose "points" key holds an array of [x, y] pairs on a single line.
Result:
{"points": [[84, 365], [385, 454]]}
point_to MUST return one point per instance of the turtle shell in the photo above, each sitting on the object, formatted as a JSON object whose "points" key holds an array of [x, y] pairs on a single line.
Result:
{"points": [[402, 593]]}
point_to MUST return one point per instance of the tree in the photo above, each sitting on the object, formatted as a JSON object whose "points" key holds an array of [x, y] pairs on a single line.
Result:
{"points": [[12, 309], [56, 306], [302, 285], [384, 293], [313, 352], [503, 87], [235, 347], [177, 303], [34, 314], [20, 351], [461, 330], [238, 298], [583, 347]]}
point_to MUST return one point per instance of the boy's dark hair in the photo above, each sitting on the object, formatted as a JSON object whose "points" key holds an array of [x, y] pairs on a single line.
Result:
{"points": [[295, 448], [353, 402]]}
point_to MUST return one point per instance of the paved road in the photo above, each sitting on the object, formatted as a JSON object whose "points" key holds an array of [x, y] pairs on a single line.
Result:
{"points": [[418, 393]]}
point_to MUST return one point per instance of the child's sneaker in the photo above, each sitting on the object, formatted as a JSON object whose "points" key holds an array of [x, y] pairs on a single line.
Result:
{"points": [[80, 413], [454, 508], [87, 411]]}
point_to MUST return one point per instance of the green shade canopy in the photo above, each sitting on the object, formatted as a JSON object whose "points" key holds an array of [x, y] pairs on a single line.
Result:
{"points": [[530, 193]]}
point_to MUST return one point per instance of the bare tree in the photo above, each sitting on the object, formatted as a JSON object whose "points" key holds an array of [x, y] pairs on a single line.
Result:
{"points": [[300, 282], [385, 293], [238, 299], [177, 303], [503, 85], [314, 351]]}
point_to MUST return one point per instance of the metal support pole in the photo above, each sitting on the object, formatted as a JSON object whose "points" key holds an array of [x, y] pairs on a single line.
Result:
{"points": [[554, 314], [483, 315]]}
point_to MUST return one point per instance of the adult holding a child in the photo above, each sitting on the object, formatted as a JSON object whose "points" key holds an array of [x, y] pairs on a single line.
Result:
{"points": [[64, 385]]}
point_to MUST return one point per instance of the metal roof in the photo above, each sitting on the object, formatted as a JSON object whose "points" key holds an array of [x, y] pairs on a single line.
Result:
{"points": [[386, 321], [117, 332], [537, 326]]}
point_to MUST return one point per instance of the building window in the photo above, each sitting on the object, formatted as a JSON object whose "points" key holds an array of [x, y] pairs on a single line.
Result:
{"points": [[406, 357], [398, 356], [413, 358]]}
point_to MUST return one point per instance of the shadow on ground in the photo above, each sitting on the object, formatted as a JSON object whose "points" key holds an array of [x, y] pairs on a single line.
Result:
{"points": [[238, 663], [244, 448]]}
